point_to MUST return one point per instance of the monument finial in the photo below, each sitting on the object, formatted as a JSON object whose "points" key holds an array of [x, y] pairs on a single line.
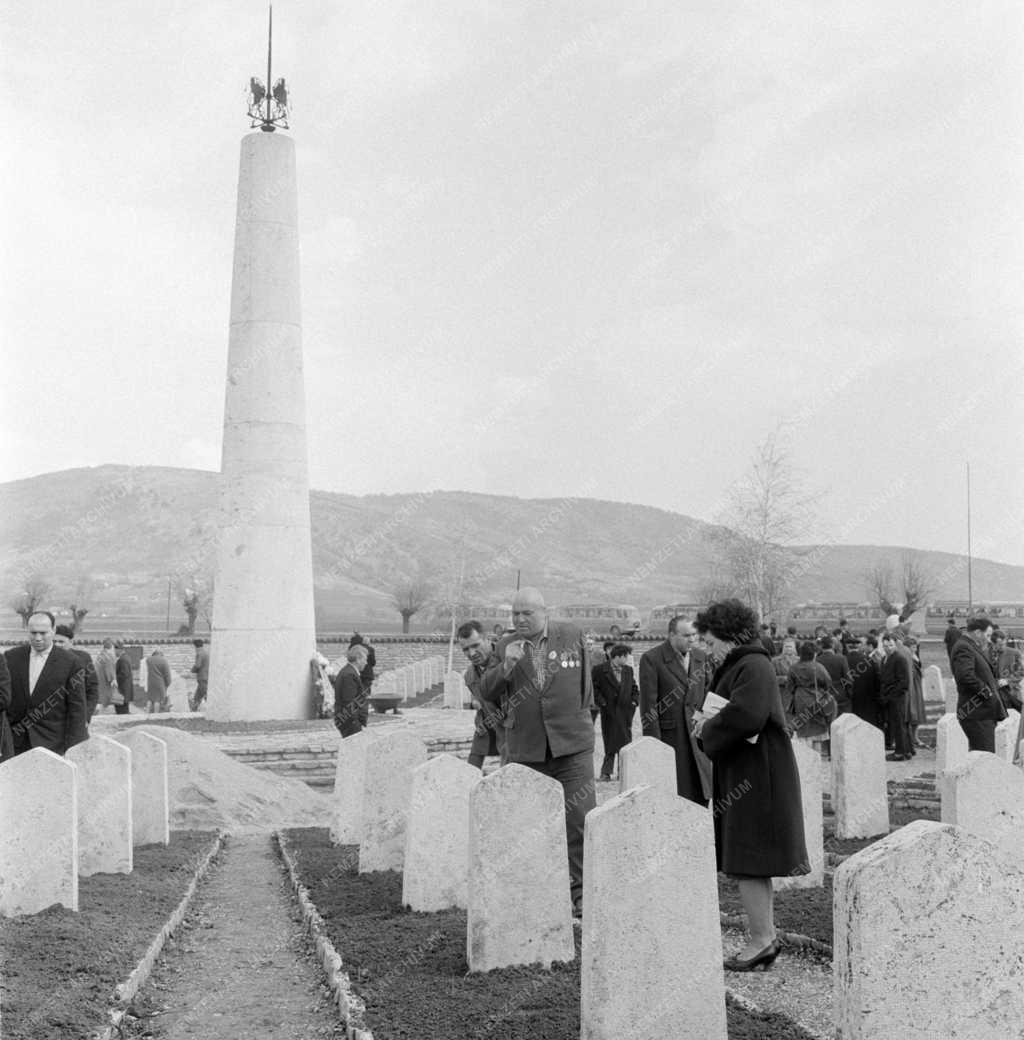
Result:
{"points": [[268, 106]]}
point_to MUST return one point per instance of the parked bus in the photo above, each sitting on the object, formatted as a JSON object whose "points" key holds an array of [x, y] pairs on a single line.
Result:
{"points": [[614, 619], [658, 619]]}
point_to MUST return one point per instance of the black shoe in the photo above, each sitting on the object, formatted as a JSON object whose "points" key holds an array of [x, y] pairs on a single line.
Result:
{"points": [[897, 758], [763, 960]]}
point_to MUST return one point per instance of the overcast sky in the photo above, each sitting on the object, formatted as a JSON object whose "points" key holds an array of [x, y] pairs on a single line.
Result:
{"points": [[547, 248]]}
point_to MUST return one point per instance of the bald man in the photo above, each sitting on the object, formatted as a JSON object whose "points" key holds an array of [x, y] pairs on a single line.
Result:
{"points": [[542, 678]]}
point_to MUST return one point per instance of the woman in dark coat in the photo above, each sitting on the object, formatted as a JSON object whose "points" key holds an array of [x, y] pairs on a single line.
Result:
{"points": [[758, 813]]}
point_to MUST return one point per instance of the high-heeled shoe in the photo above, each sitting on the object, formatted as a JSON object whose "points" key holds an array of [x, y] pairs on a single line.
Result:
{"points": [[763, 960]]}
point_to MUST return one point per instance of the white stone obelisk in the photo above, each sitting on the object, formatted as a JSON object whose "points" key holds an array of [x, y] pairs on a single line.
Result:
{"points": [[262, 636]]}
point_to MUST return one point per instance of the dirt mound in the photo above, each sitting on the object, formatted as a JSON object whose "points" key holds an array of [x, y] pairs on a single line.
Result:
{"points": [[209, 790]]}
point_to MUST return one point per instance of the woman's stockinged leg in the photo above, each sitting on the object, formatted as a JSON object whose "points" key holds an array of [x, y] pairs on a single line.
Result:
{"points": [[758, 900]]}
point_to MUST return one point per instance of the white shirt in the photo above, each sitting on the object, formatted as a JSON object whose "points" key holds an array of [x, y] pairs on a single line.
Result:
{"points": [[36, 663]]}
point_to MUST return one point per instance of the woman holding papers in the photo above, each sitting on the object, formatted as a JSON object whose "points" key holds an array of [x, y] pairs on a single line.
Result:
{"points": [[759, 831]]}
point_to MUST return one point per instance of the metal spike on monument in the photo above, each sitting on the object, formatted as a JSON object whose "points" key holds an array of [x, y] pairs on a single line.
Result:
{"points": [[262, 635]]}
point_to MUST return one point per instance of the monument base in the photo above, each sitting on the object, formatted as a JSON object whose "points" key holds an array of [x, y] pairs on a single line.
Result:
{"points": [[261, 675]]}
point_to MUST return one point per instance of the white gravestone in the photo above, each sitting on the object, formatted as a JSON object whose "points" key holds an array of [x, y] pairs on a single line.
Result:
{"points": [[387, 787], [647, 761], [808, 763], [986, 797], [933, 687], [950, 691], [150, 802], [638, 935], [519, 911], [927, 939], [402, 676], [38, 833], [1006, 735], [434, 876], [951, 745], [860, 795], [104, 806], [349, 777], [455, 690]]}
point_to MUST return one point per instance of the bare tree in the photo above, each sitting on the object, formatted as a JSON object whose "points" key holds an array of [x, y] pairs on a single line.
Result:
{"points": [[903, 595], [879, 581], [918, 584], [767, 512], [31, 598], [410, 597], [81, 601]]}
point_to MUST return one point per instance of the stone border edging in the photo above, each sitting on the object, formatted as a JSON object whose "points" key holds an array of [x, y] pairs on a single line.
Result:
{"points": [[350, 1007], [125, 991], [803, 942]]}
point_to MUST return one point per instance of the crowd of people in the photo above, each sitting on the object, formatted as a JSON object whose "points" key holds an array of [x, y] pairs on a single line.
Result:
{"points": [[50, 689]]}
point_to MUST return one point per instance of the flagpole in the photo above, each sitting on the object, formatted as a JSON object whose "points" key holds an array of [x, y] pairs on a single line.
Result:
{"points": [[970, 584]]}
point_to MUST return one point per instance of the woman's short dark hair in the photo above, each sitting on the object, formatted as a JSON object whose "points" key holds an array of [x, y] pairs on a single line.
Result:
{"points": [[806, 650], [728, 619]]}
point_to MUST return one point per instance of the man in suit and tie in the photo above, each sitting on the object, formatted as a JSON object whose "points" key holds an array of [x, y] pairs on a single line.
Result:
{"points": [[978, 705], [47, 706], [351, 707], [674, 679], [616, 694], [542, 679], [64, 637]]}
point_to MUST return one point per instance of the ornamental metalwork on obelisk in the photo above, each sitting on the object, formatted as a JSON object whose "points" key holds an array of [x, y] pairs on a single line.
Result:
{"points": [[262, 636]]}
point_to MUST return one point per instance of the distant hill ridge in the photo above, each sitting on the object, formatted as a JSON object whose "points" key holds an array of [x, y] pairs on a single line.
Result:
{"points": [[133, 526]]}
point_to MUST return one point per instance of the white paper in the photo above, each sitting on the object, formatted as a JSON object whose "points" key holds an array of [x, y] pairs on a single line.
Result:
{"points": [[713, 704]]}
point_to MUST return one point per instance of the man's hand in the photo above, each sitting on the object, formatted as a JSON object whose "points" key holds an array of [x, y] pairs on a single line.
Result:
{"points": [[513, 654]]}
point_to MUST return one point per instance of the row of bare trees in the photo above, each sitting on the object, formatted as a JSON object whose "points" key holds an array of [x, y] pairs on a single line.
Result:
{"points": [[194, 592]]}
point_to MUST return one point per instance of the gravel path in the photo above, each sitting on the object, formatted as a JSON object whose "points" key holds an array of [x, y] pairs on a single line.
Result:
{"points": [[240, 966]]}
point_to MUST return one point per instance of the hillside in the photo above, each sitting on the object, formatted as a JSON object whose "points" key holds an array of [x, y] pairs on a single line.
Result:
{"points": [[129, 528]]}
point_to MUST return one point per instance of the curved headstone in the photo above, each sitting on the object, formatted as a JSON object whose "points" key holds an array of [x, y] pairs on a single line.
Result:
{"points": [[986, 797], [38, 833], [651, 957], [387, 789], [860, 795], [517, 832], [434, 875], [647, 761], [104, 805], [349, 778], [150, 800], [927, 939]]}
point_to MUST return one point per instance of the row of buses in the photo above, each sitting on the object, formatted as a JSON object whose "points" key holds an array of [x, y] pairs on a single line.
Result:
{"points": [[625, 620]]}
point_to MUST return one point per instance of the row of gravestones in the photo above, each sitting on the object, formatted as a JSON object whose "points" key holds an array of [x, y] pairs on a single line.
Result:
{"points": [[61, 818], [496, 846], [411, 679]]}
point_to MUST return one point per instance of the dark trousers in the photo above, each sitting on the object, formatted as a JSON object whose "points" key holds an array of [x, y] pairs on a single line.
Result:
{"points": [[980, 733], [576, 775], [899, 729], [121, 709]]}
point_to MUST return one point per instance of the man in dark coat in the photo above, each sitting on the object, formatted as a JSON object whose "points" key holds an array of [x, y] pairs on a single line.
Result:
{"points": [[489, 729], [895, 681], [125, 680], [673, 683], [978, 706], [543, 680], [351, 706], [616, 695], [46, 705], [950, 636], [838, 672], [367, 674], [865, 682], [64, 637]]}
